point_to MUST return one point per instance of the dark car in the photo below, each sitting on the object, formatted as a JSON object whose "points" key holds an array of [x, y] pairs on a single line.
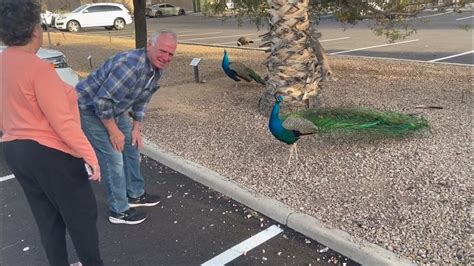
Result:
{"points": [[164, 9]]}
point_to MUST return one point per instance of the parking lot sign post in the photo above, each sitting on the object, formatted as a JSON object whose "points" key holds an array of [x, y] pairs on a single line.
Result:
{"points": [[195, 64], [89, 58]]}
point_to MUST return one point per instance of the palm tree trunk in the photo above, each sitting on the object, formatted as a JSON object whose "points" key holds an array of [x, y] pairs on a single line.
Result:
{"points": [[296, 63]]}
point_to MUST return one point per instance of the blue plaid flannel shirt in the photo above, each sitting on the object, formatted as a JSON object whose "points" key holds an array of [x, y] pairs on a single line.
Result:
{"points": [[126, 80]]}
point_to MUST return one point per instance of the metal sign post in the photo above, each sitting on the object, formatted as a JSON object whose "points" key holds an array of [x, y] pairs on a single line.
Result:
{"points": [[89, 58], [195, 64]]}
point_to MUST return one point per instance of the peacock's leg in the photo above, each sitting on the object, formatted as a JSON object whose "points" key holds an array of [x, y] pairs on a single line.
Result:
{"points": [[296, 151], [236, 85], [291, 153]]}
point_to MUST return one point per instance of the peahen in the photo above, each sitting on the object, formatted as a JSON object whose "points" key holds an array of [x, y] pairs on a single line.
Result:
{"points": [[289, 128], [238, 71]]}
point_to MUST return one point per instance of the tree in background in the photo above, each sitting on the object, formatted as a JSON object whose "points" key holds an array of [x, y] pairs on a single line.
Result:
{"points": [[296, 61], [140, 23]]}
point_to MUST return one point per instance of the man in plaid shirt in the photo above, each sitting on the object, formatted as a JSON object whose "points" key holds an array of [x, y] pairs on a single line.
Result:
{"points": [[126, 81]]}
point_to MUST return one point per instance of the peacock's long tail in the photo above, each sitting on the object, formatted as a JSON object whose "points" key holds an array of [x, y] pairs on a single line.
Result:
{"points": [[256, 77], [364, 120]]}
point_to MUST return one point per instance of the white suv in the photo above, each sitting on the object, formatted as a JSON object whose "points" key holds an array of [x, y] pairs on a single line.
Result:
{"points": [[94, 15], [59, 62]]}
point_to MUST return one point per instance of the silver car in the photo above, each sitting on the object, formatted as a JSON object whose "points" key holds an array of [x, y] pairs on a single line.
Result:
{"points": [[164, 9], [60, 63]]}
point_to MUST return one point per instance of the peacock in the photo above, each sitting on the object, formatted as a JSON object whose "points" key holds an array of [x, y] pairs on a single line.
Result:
{"points": [[242, 41], [238, 71], [290, 127]]}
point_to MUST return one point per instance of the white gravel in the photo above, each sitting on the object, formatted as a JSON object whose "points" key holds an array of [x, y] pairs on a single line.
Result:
{"points": [[411, 196]]}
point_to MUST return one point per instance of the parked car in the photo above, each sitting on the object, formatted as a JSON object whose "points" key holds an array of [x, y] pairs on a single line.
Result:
{"points": [[106, 15], [58, 61], [164, 9], [47, 17]]}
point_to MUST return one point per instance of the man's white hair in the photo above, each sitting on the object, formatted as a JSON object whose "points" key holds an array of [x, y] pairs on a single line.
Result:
{"points": [[157, 34]]}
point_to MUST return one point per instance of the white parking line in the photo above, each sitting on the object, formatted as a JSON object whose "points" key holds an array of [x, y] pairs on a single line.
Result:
{"points": [[335, 39], [244, 246], [217, 37], [5, 178], [451, 56], [434, 15], [370, 47], [205, 33], [465, 18]]}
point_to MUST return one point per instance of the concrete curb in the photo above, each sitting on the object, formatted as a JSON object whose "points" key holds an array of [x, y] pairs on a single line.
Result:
{"points": [[351, 247]]}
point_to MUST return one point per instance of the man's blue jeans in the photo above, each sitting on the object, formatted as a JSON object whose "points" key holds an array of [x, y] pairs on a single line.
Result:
{"points": [[120, 170]]}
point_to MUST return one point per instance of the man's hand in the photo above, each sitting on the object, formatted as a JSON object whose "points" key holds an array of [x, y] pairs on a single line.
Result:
{"points": [[137, 139], [117, 138], [137, 134], [115, 135]]}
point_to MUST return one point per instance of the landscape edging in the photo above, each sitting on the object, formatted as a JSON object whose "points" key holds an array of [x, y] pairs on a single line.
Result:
{"points": [[356, 249]]}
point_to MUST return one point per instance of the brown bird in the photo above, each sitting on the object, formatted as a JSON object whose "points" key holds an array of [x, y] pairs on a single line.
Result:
{"points": [[244, 41]]}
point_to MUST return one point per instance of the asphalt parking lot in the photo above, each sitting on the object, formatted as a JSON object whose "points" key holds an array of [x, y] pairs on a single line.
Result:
{"points": [[193, 225], [440, 38]]}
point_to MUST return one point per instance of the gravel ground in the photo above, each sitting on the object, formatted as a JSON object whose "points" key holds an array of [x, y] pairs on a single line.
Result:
{"points": [[411, 196]]}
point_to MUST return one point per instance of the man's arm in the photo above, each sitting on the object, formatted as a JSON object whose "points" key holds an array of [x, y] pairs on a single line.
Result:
{"points": [[113, 90]]}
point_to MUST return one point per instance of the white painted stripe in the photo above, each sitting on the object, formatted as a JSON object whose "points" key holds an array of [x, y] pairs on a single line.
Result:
{"points": [[181, 32], [132, 33], [335, 39], [370, 47], [217, 37], [451, 56], [243, 247], [5, 178], [406, 60], [205, 33], [223, 46], [465, 18], [434, 15]]}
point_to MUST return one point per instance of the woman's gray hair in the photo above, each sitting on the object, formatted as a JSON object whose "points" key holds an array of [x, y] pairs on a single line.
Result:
{"points": [[157, 34]]}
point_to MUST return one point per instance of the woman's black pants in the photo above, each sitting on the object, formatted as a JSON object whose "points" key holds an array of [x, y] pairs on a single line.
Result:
{"points": [[60, 196]]}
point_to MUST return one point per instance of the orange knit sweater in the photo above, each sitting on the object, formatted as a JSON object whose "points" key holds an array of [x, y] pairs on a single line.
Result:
{"points": [[36, 104]]}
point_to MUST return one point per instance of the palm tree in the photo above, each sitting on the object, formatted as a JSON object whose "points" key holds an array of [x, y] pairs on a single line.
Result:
{"points": [[296, 61]]}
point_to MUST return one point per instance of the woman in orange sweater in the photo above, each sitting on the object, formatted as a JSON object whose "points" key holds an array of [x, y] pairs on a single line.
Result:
{"points": [[43, 143]]}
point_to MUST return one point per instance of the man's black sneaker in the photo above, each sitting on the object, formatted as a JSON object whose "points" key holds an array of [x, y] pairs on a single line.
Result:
{"points": [[130, 216], [144, 200]]}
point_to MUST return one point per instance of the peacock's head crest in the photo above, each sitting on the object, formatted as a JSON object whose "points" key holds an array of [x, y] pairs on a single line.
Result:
{"points": [[278, 97]]}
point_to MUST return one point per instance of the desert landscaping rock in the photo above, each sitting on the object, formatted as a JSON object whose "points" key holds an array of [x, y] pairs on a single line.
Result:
{"points": [[410, 196]]}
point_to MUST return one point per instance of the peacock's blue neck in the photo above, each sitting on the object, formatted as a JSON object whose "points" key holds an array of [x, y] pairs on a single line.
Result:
{"points": [[225, 62], [276, 126], [275, 121]]}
